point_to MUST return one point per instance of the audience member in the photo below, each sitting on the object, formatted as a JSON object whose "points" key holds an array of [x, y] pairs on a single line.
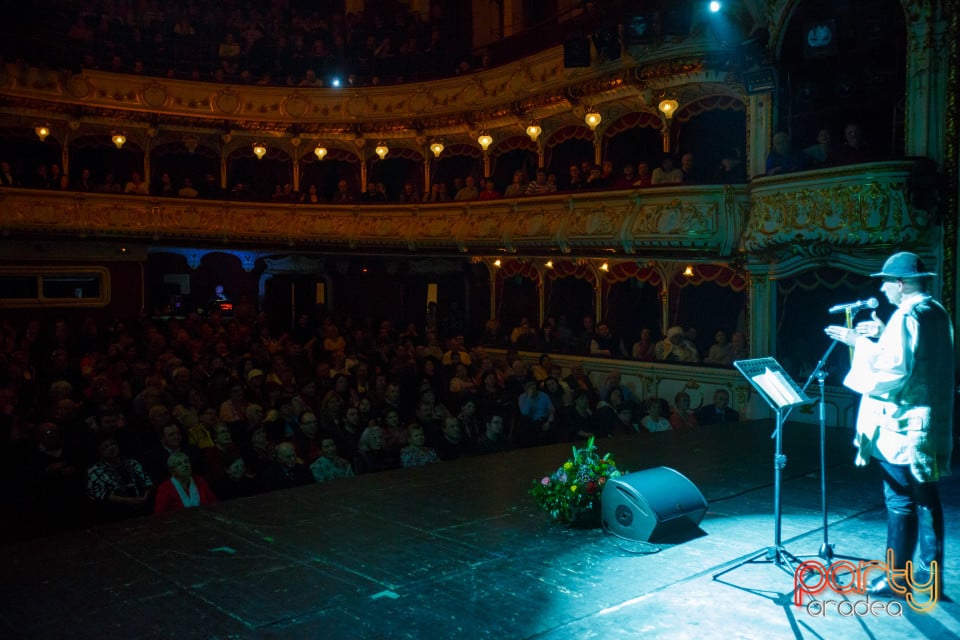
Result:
{"points": [[782, 157], [719, 412], [654, 420], [666, 173], [330, 466], [416, 453], [853, 149], [182, 490], [682, 416]]}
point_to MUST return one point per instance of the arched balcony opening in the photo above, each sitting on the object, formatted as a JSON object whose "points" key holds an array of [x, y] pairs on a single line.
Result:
{"points": [[110, 168], [258, 179], [632, 139], [201, 166], [718, 288], [711, 128], [456, 163], [568, 146], [25, 152], [401, 165], [514, 153], [840, 64], [323, 175]]}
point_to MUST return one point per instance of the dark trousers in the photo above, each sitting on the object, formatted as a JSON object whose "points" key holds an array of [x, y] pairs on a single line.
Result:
{"points": [[914, 514]]}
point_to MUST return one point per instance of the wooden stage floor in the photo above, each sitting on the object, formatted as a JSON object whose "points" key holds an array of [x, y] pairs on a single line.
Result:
{"points": [[459, 550]]}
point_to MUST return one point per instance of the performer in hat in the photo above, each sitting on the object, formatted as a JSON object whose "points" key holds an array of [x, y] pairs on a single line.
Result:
{"points": [[904, 372]]}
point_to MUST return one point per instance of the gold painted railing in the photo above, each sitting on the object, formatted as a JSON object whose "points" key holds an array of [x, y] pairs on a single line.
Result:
{"points": [[843, 207], [705, 219]]}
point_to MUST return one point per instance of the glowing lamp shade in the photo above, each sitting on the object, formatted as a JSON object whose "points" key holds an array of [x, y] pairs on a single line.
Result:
{"points": [[688, 272], [548, 264], [592, 119], [259, 150], [668, 107], [437, 149], [484, 141], [497, 263], [382, 150], [320, 152], [42, 132], [534, 131], [605, 267], [119, 140]]}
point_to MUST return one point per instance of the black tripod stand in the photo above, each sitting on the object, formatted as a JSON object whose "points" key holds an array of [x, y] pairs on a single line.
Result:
{"points": [[781, 393]]}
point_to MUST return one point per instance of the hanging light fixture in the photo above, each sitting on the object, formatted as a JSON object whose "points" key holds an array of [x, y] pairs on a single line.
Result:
{"points": [[668, 107], [259, 150], [605, 267], [119, 140], [688, 272], [534, 131], [592, 119], [437, 148], [382, 150], [497, 263], [42, 132], [548, 264], [484, 141], [320, 151]]}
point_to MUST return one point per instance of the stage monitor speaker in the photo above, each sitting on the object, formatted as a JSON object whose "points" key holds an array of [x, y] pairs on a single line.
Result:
{"points": [[576, 52], [651, 503]]}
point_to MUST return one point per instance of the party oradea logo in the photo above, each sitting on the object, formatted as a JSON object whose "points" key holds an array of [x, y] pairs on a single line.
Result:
{"points": [[814, 582]]}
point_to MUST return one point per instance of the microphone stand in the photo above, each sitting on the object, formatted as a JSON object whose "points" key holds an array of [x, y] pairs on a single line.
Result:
{"points": [[819, 372]]}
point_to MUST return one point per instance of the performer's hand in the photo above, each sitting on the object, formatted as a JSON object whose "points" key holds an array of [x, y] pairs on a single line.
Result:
{"points": [[841, 334], [871, 328]]}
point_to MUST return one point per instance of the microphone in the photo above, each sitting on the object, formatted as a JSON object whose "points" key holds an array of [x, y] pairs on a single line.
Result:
{"points": [[853, 307]]}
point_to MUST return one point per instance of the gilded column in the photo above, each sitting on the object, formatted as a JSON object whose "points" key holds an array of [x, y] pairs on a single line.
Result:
{"points": [[759, 112], [762, 302]]}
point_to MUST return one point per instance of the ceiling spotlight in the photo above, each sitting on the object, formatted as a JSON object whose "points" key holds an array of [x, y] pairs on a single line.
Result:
{"points": [[42, 132], [321, 152], [715, 6], [436, 148], [534, 131], [485, 141], [119, 140], [259, 150], [592, 119], [382, 150], [668, 107]]}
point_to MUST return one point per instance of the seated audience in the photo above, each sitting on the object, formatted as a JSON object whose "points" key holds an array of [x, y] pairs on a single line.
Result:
{"points": [[654, 420], [682, 417], [417, 453]]}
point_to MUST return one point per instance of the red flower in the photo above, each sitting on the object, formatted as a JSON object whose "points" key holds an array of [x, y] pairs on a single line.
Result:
{"points": [[592, 487]]}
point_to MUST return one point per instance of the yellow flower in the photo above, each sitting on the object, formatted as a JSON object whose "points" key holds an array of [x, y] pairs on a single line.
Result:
{"points": [[568, 466], [573, 488]]}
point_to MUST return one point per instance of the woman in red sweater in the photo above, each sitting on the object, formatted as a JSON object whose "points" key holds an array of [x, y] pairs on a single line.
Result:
{"points": [[182, 490]]}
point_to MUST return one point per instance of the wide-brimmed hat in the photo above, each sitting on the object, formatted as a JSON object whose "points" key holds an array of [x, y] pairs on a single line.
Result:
{"points": [[903, 265]]}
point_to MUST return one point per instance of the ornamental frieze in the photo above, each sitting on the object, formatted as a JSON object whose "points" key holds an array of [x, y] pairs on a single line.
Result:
{"points": [[841, 206], [856, 205]]}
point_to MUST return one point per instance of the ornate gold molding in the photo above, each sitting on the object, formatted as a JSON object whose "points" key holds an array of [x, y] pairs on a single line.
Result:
{"points": [[856, 205]]}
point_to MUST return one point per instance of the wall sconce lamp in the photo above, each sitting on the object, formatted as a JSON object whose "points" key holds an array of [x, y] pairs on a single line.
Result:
{"points": [[548, 264], [688, 272], [668, 107], [534, 131], [119, 140], [320, 152], [259, 150], [485, 141], [604, 267], [42, 132], [437, 148], [592, 119], [497, 263], [382, 150]]}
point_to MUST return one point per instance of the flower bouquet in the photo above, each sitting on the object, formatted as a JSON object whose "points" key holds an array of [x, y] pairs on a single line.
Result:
{"points": [[575, 487]]}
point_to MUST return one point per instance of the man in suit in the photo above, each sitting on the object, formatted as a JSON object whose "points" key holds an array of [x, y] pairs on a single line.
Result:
{"points": [[719, 412]]}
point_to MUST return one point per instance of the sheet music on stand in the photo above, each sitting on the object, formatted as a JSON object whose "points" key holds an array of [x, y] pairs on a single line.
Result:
{"points": [[774, 384]]}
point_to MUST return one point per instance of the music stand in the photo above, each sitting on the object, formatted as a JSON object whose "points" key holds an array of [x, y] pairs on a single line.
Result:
{"points": [[781, 393]]}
